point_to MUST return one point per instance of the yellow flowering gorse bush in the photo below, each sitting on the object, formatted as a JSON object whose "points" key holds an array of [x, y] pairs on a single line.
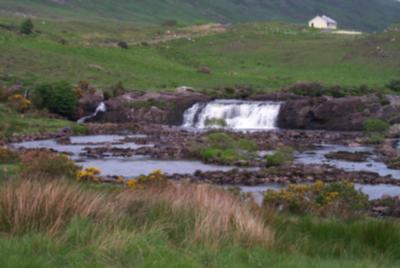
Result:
{"points": [[90, 174], [335, 199], [156, 178], [19, 102]]}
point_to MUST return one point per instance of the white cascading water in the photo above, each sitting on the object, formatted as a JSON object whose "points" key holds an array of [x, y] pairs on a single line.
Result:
{"points": [[241, 115], [101, 108]]}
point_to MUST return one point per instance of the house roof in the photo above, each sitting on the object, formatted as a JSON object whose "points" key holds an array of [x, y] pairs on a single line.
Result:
{"points": [[325, 18]]}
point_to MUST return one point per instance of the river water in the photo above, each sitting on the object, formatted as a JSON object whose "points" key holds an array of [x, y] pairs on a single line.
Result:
{"points": [[131, 167]]}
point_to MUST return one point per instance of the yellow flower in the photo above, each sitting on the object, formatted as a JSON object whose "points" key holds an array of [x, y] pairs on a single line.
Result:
{"points": [[132, 183]]}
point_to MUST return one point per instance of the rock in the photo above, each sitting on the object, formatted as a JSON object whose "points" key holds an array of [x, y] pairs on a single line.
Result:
{"points": [[89, 102], [184, 89], [349, 156], [204, 70], [394, 131], [151, 107], [344, 114]]}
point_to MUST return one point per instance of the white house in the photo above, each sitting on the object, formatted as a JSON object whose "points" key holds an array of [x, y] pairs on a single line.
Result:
{"points": [[323, 22]]}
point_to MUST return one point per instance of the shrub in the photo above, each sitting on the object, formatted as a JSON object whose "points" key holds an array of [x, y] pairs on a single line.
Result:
{"points": [[19, 103], [155, 179], [46, 165], [90, 174], [224, 148], [82, 87], [376, 129], [26, 27], [123, 45], [59, 98], [307, 89], [118, 90], [7, 156], [80, 129], [394, 85], [339, 199], [281, 157]]}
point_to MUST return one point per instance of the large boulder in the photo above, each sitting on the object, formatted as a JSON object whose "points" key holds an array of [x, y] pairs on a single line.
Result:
{"points": [[344, 114], [151, 107], [89, 101]]}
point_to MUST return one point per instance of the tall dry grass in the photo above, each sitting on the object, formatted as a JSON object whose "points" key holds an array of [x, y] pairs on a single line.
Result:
{"points": [[200, 212], [218, 215], [38, 206]]}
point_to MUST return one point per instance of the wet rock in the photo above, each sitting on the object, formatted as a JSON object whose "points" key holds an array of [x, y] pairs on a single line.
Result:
{"points": [[349, 156], [345, 114]]}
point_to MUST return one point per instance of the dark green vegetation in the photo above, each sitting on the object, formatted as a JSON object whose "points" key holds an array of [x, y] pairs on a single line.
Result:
{"points": [[281, 156], [376, 129], [26, 27], [58, 98], [375, 15], [263, 56], [221, 147]]}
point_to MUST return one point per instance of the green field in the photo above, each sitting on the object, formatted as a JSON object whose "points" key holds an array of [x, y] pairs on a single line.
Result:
{"points": [[264, 56]]}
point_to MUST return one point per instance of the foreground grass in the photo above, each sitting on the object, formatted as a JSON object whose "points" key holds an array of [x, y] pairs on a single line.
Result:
{"points": [[265, 56], [13, 123], [59, 224]]}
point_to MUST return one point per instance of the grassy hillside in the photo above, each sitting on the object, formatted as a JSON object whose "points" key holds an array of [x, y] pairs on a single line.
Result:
{"points": [[265, 56], [359, 14]]}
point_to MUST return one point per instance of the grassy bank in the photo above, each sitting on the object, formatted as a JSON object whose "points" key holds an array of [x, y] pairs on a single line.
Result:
{"points": [[265, 56], [47, 224], [13, 123]]}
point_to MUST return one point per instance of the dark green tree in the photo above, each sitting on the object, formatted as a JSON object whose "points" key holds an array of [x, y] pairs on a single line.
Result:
{"points": [[27, 27], [58, 98]]}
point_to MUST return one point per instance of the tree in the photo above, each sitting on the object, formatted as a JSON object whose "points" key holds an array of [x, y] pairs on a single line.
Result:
{"points": [[27, 27], [59, 98]]}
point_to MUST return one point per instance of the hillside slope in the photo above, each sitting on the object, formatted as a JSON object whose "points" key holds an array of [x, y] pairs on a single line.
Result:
{"points": [[358, 14]]}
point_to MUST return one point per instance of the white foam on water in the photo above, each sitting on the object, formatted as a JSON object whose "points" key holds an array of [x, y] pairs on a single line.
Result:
{"points": [[240, 115]]}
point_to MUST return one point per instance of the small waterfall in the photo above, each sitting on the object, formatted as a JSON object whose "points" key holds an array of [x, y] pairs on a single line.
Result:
{"points": [[233, 114], [26, 93], [101, 108]]}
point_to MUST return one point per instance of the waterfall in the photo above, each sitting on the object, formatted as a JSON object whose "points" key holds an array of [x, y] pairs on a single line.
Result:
{"points": [[101, 108], [233, 114]]}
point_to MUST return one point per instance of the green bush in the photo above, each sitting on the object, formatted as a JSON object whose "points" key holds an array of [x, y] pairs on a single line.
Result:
{"points": [[281, 157], [26, 27], [376, 129], [394, 85], [80, 129], [224, 148], [339, 199], [59, 98]]}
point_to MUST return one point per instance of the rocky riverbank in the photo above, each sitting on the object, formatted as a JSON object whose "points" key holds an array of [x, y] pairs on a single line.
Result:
{"points": [[297, 112]]}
